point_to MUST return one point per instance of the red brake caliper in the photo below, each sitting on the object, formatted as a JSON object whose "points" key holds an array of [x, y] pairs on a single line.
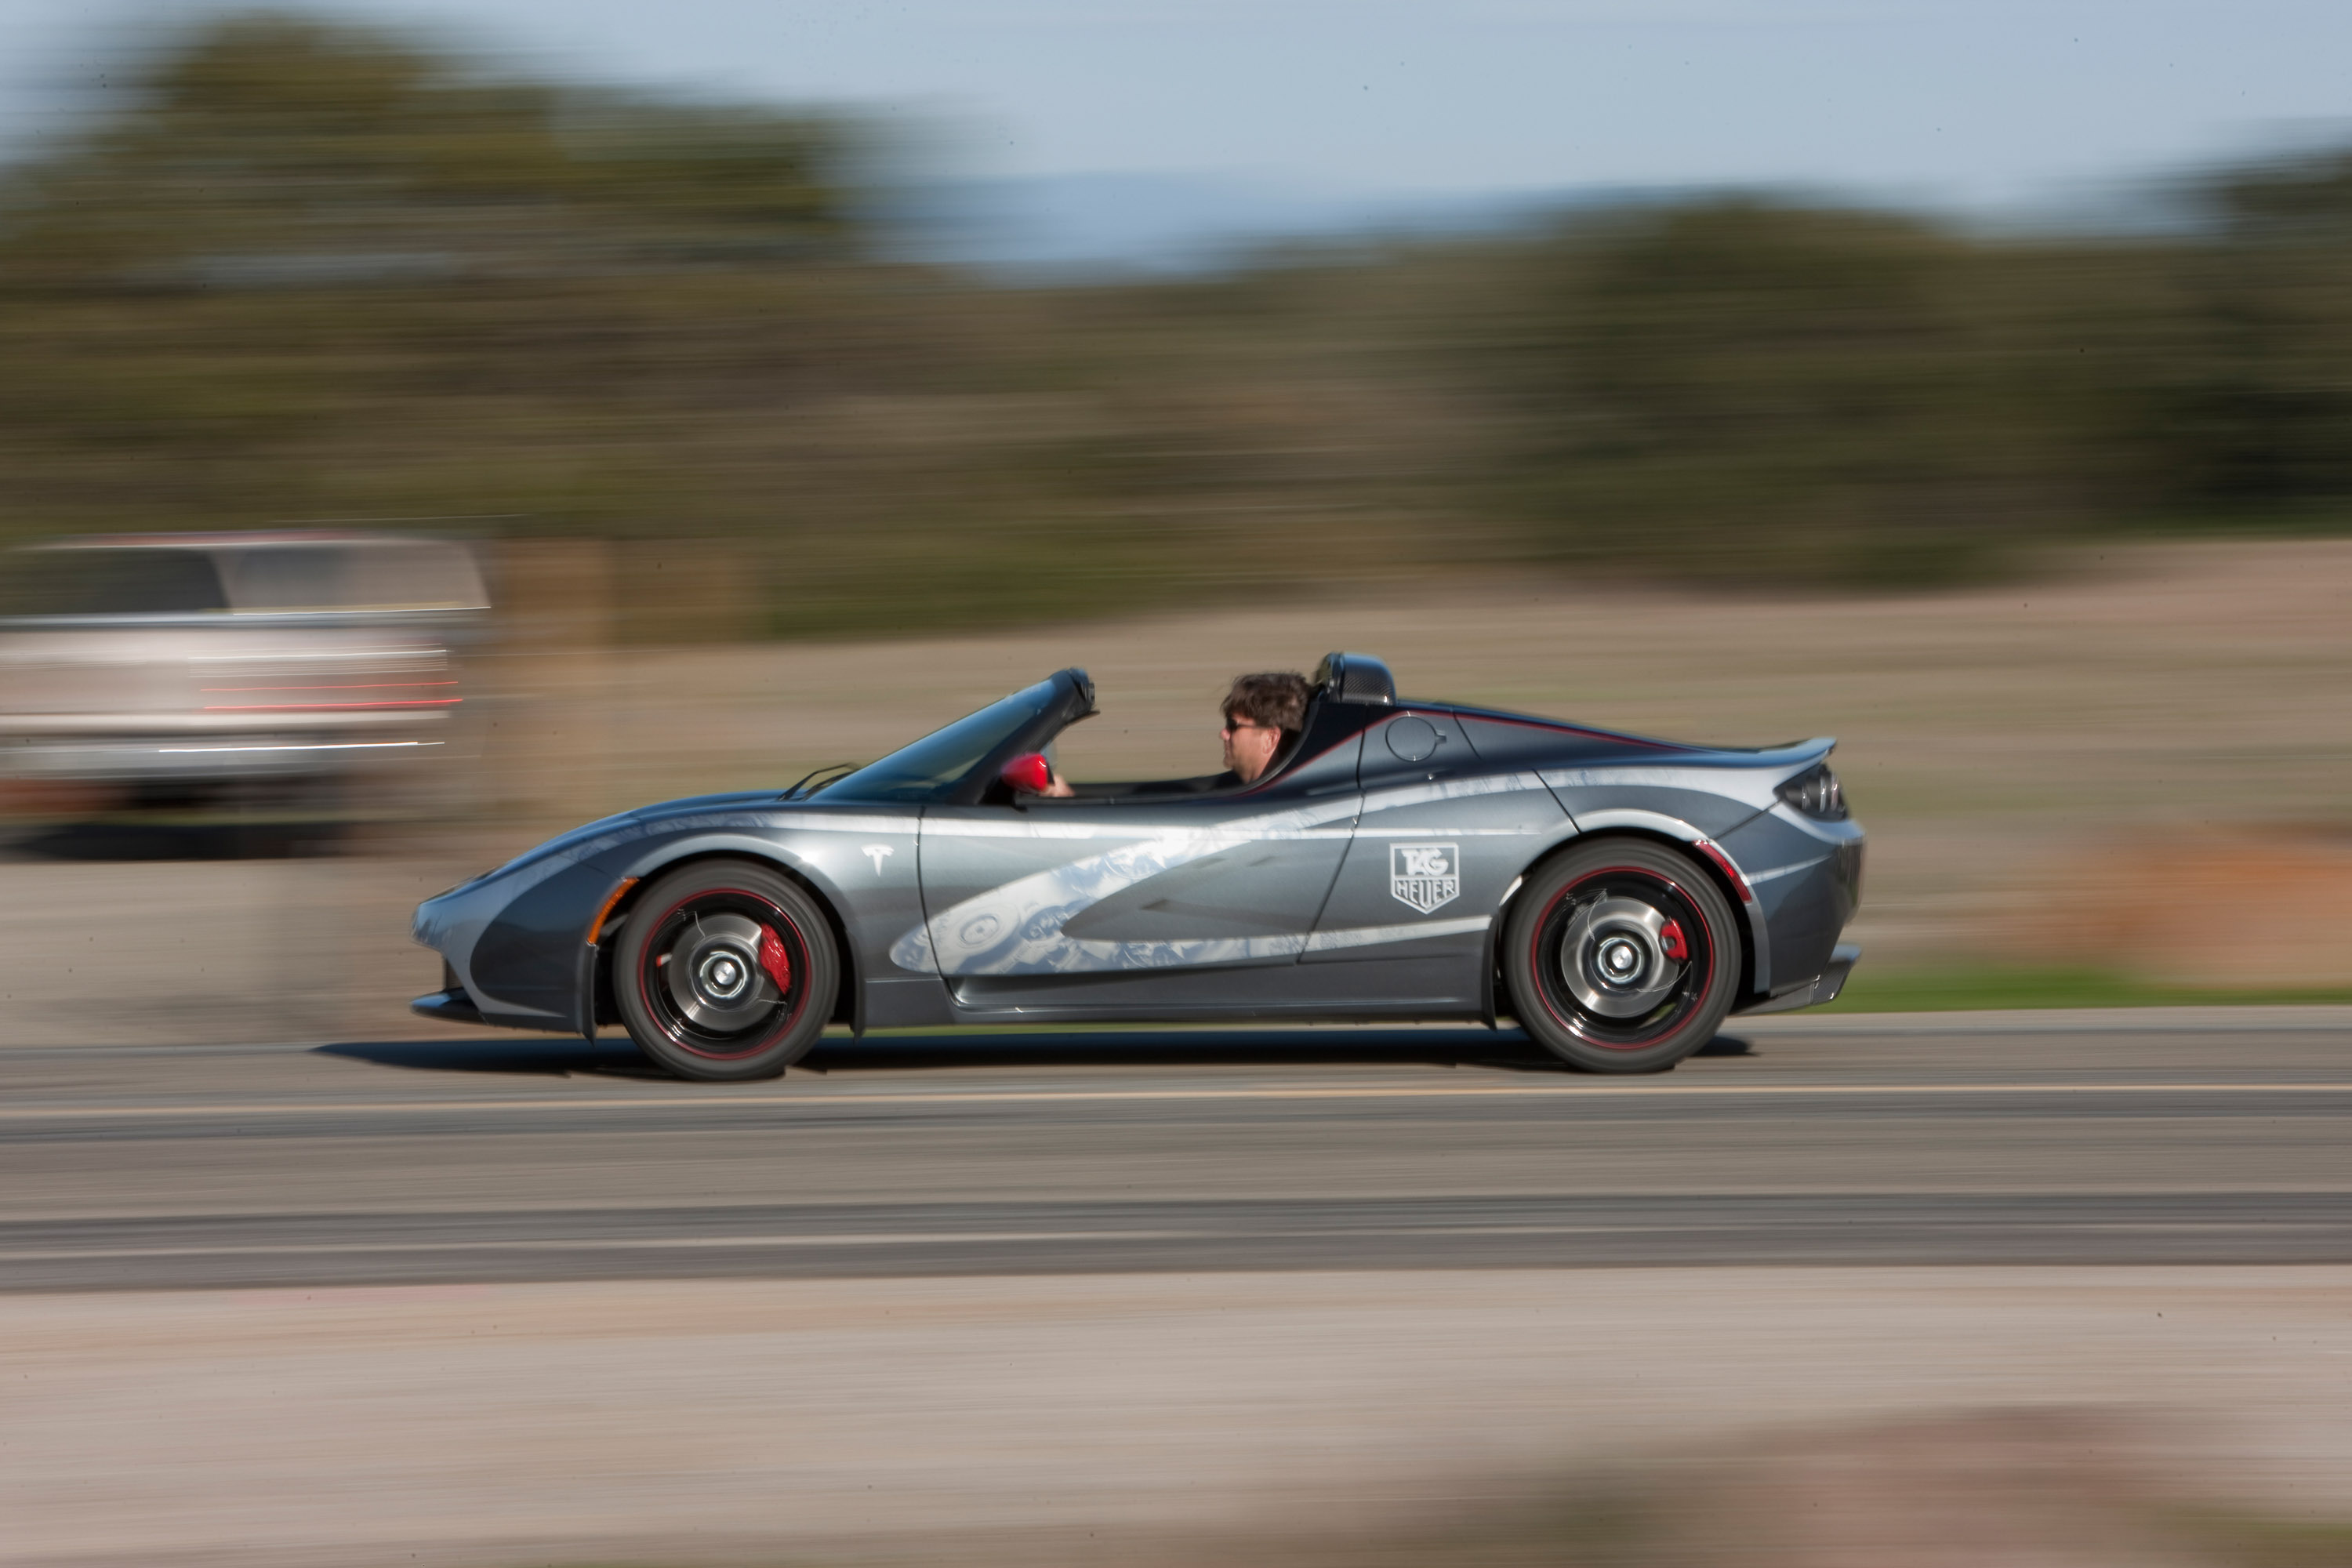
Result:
{"points": [[1671, 940], [776, 960]]}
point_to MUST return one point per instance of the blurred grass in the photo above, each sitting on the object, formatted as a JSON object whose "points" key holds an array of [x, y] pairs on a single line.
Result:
{"points": [[319, 272], [2255, 1540], [1629, 1524], [1965, 987]]}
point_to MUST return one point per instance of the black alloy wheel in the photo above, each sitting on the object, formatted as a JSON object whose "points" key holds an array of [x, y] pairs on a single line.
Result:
{"points": [[1621, 957], [725, 970]]}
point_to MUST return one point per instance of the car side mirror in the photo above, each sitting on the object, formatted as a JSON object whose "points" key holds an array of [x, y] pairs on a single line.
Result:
{"points": [[1028, 774]]}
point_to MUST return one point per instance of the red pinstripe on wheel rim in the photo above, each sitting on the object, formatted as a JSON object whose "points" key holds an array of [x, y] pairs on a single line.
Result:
{"points": [[1681, 923], [772, 953]]}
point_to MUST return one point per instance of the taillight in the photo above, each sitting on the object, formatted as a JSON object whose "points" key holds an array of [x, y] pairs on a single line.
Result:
{"points": [[1816, 793]]}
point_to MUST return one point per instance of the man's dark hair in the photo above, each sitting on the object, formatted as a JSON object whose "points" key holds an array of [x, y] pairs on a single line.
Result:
{"points": [[1277, 698]]}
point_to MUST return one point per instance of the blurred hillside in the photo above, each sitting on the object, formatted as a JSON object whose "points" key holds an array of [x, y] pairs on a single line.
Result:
{"points": [[319, 273]]}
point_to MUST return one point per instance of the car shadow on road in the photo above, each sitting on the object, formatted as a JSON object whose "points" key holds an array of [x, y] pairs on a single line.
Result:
{"points": [[1494, 1050], [1499, 1050], [527, 1056], [1502, 1050]]}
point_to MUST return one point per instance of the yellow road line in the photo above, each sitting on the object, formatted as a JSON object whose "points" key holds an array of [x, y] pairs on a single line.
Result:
{"points": [[689, 1099]]}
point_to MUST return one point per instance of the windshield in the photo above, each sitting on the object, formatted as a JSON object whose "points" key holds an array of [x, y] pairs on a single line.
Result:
{"points": [[128, 582], [926, 769]]}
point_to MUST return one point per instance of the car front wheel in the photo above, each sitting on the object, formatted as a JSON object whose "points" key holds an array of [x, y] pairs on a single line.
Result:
{"points": [[1621, 956], [725, 970]]}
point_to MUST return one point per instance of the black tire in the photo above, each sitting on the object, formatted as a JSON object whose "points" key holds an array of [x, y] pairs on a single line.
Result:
{"points": [[1621, 956], [725, 971]]}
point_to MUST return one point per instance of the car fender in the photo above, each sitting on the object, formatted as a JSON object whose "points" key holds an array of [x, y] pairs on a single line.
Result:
{"points": [[1731, 879], [820, 860]]}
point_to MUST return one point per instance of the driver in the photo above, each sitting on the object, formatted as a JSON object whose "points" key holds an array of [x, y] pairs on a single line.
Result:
{"points": [[1263, 717], [1263, 714]]}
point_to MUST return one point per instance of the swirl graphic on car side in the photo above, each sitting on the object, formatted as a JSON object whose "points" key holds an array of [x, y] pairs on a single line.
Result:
{"points": [[1016, 928]]}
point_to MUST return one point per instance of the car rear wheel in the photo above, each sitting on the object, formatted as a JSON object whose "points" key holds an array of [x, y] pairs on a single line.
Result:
{"points": [[725, 971], [1621, 956]]}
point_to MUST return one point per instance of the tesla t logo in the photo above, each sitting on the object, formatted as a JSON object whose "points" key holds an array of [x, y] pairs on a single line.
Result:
{"points": [[874, 852], [1424, 876]]}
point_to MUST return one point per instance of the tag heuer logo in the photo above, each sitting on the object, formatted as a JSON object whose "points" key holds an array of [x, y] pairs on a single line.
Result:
{"points": [[1424, 876]]}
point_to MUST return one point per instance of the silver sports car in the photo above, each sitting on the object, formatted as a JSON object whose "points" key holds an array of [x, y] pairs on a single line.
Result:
{"points": [[1617, 896]]}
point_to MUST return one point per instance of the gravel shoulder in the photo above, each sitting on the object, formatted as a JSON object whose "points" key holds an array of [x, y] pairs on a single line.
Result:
{"points": [[785, 1421]]}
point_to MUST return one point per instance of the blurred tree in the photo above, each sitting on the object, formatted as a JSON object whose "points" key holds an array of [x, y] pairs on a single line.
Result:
{"points": [[272, 151], [316, 272], [2254, 417], [1747, 391], [322, 272]]}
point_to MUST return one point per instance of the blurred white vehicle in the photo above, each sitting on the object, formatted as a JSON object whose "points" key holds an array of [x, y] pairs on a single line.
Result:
{"points": [[182, 664]]}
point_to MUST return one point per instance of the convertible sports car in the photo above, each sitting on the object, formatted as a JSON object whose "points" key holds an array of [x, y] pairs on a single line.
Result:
{"points": [[1618, 896]]}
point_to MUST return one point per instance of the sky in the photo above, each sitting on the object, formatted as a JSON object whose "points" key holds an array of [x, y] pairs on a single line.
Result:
{"points": [[1963, 103]]}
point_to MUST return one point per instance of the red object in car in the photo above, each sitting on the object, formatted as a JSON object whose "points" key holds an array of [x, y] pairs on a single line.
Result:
{"points": [[1029, 773]]}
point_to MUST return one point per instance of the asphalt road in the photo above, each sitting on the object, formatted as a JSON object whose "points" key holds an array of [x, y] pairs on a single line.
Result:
{"points": [[1975, 1139]]}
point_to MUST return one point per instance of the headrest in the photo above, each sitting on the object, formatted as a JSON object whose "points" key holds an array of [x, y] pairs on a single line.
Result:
{"points": [[1354, 678]]}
